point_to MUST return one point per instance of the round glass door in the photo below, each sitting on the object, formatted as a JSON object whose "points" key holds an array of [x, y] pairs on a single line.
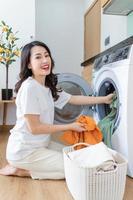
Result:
{"points": [[106, 83], [107, 86]]}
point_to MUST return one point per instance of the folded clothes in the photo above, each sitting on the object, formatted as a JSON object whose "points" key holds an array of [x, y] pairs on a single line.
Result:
{"points": [[94, 156], [106, 166]]}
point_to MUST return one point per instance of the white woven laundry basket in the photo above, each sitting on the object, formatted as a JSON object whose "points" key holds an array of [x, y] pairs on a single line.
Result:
{"points": [[88, 184]]}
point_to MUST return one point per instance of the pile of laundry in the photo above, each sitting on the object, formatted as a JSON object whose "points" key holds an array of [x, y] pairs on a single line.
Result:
{"points": [[96, 156], [92, 135], [97, 153]]}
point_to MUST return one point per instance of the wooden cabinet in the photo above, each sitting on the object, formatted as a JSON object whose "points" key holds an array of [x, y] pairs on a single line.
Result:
{"points": [[87, 73], [5, 105], [92, 30]]}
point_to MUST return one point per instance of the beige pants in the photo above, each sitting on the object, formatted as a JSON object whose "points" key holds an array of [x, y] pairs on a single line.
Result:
{"points": [[45, 163]]}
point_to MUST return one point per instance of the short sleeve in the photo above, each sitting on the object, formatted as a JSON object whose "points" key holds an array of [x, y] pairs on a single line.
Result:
{"points": [[29, 101], [63, 99]]}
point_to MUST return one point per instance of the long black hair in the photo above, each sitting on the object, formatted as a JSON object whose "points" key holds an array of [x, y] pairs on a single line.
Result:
{"points": [[25, 72]]}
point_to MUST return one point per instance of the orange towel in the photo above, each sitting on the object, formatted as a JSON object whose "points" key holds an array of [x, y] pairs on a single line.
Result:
{"points": [[92, 135]]}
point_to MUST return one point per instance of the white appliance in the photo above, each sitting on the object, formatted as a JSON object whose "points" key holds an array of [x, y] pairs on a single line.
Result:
{"points": [[118, 7], [114, 72]]}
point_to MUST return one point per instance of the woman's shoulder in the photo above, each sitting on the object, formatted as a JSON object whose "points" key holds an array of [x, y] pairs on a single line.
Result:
{"points": [[28, 89], [29, 83], [28, 86]]}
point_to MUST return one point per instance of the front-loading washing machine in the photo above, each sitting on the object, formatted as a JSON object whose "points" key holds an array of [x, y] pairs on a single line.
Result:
{"points": [[113, 72]]}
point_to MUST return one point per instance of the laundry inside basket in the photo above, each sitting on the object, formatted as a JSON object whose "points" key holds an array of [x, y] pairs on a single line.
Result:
{"points": [[94, 156]]}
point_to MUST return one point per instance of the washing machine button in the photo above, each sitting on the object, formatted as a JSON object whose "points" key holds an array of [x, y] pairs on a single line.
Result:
{"points": [[105, 59]]}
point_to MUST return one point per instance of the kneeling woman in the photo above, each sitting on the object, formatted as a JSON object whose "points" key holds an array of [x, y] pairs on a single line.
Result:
{"points": [[29, 150]]}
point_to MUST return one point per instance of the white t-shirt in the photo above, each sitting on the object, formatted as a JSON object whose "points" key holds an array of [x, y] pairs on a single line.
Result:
{"points": [[32, 98]]}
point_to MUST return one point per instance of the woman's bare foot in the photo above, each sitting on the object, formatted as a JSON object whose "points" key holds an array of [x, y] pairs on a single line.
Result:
{"points": [[9, 170]]}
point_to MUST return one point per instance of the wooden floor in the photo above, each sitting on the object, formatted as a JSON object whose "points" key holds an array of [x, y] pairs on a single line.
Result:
{"points": [[15, 188]]}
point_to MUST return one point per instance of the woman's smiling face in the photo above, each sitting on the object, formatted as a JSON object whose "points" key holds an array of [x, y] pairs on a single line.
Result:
{"points": [[40, 61]]}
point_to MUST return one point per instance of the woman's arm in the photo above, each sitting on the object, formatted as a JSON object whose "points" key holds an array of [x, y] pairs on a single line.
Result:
{"points": [[36, 127], [90, 100]]}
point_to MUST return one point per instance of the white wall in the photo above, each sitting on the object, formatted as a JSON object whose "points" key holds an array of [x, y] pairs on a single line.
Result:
{"points": [[114, 26], [20, 15], [59, 24]]}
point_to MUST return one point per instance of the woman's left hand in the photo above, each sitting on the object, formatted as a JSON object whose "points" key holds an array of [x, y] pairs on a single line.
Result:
{"points": [[109, 98]]}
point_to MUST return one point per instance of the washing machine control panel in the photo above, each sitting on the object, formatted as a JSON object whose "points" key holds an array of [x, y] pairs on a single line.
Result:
{"points": [[113, 56], [121, 54]]}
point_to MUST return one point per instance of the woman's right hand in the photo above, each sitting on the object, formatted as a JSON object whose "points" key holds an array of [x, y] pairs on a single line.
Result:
{"points": [[76, 126], [109, 98]]}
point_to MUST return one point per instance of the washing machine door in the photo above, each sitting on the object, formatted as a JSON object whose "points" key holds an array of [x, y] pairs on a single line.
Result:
{"points": [[104, 83], [74, 85]]}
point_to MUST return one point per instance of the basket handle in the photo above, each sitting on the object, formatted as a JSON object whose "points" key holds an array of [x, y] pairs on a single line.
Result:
{"points": [[81, 143]]}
